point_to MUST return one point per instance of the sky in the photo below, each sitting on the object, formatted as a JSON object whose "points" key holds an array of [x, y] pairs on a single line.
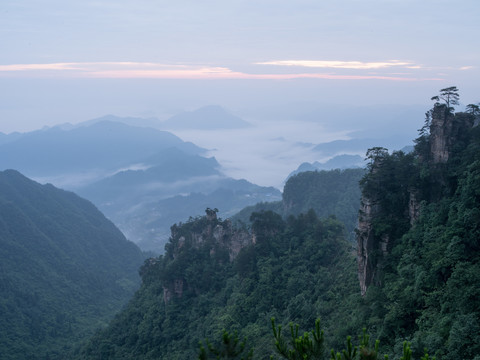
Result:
{"points": [[71, 61]]}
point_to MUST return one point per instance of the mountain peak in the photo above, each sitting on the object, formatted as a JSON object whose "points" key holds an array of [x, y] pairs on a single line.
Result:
{"points": [[206, 118]]}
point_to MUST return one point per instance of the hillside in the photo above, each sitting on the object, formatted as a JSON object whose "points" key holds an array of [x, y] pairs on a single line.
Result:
{"points": [[215, 277], [418, 238], [334, 192], [64, 269]]}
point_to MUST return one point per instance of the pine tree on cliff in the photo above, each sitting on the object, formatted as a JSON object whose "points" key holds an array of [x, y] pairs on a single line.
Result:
{"points": [[449, 95]]}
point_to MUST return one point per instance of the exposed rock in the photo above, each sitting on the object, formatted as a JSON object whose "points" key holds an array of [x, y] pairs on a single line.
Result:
{"points": [[447, 132], [440, 132], [366, 243], [239, 240], [208, 233], [211, 214], [413, 206], [446, 129], [175, 289]]}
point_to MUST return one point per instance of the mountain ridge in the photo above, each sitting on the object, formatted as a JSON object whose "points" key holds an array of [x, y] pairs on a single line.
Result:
{"points": [[64, 268]]}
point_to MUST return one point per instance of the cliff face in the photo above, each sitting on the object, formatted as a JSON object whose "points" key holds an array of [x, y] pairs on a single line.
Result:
{"points": [[413, 205], [207, 241], [440, 134], [366, 241], [447, 129], [392, 199]]}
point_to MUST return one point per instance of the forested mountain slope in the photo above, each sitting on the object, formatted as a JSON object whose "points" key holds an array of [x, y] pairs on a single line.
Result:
{"points": [[333, 192], [213, 277], [418, 264], [64, 269], [419, 238]]}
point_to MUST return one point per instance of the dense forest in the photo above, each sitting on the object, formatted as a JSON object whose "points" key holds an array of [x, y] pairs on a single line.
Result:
{"points": [[424, 237], [65, 270], [333, 192], [294, 270], [418, 265]]}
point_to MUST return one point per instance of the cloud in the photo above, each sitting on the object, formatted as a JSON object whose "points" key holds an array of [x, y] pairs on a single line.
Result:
{"points": [[359, 65], [37, 67], [148, 70]]}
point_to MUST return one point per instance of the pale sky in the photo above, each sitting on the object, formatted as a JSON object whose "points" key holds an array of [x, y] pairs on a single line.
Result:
{"points": [[64, 57], [70, 61]]}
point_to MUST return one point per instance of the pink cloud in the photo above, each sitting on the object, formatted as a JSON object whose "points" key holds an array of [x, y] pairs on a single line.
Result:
{"points": [[335, 64], [138, 70]]}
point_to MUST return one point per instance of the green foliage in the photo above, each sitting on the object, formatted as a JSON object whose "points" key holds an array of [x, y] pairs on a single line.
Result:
{"points": [[64, 269], [230, 348], [333, 192], [387, 184], [449, 96], [426, 296], [473, 109], [301, 347], [426, 292], [309, 346], [296, 267]]}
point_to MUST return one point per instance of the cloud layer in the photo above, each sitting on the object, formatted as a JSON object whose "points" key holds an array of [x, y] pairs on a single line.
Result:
{"points": [[339, 64], [148, 70]]}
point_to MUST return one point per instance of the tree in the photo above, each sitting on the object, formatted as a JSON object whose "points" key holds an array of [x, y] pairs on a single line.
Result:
{"points": [[425, 130], [363, 352], [306, 347], [449, 96], [375, 156], [230, 348], [473, 109]]}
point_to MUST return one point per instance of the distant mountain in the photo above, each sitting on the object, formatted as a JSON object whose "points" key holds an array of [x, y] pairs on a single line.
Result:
{"points": [[206, 118], [358, 145], [96, 149], [132, 173], [145, 203], [150, 122], [6, 138], [64, 269], [164, 174], [337, 162]]}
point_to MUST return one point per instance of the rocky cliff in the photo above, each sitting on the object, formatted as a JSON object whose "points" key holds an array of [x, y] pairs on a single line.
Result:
{"points": [[396, 185], [206, 240], [446, 130], [366, 240]]}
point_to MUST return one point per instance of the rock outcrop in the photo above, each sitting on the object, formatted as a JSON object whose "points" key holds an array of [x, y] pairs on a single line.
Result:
{"points": [[440, 134], [447, 131], [366, 243], [212, 236], [413, 205]]}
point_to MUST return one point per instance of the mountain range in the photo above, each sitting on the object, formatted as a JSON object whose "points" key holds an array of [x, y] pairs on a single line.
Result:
{"points": [[85, 153], [130, 173]]}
